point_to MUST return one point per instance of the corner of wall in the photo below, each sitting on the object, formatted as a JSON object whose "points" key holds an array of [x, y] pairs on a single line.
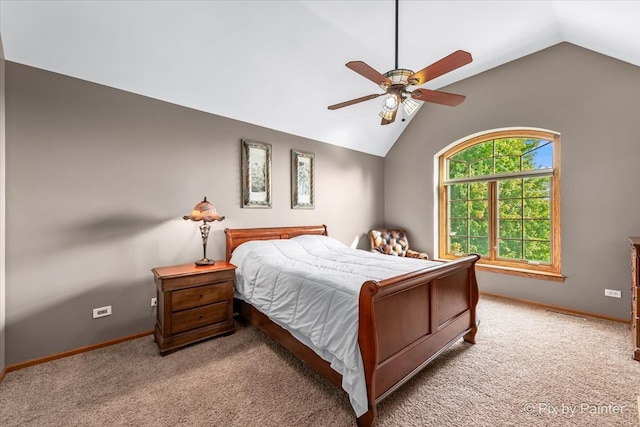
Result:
{"points": [[2, 208]]}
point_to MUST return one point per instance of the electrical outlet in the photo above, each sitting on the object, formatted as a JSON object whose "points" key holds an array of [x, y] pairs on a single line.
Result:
{"points": [[102, 311], [612, 293], [154, 302]]}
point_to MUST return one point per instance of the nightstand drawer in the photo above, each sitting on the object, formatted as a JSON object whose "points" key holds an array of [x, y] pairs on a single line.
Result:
{"points": [[202, 295], [198, 317]]}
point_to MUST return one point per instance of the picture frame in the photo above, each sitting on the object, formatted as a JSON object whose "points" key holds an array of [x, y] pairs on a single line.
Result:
{"points": [[256, 174], [302, 180]]}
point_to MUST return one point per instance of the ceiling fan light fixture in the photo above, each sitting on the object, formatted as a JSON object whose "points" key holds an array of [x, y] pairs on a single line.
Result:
{"points": [[386, 114], [409, 105], [390, 103]]}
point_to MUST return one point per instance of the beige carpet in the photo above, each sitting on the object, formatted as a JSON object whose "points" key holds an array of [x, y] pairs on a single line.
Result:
{"points": [[530, 367]]}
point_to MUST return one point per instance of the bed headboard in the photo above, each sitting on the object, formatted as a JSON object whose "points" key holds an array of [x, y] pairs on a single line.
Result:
{"points": [[237, 236]]}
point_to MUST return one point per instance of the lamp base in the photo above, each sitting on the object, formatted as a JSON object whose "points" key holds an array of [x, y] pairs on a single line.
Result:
{"points": [[205, 261]]}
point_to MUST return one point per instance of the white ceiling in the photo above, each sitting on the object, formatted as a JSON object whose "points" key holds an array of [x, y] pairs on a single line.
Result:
{"points": [[279, 64]]}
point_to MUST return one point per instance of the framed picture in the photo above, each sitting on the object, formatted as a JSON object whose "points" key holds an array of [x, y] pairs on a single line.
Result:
{"points": [[302, 179], [256, 174]]}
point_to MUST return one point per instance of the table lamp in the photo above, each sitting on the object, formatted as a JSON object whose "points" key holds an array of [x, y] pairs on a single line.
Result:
{"points": [[205, 212]]}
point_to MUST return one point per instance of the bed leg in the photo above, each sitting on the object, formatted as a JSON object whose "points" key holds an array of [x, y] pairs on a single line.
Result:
{"points": [[367, 419], [470, 337]]}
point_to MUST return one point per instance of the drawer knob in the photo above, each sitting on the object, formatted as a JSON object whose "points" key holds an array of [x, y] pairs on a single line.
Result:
{"points": [[201, 316], [201, 296]]}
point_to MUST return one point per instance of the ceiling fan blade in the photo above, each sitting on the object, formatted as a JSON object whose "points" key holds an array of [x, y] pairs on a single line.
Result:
{"points": [[391, 120], [368, 72], [449, 63], [437, 97], [354, 101]]}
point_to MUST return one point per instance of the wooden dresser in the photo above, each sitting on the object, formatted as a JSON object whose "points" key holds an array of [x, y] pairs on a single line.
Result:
{"points": [[194, 303], [635, 293]]}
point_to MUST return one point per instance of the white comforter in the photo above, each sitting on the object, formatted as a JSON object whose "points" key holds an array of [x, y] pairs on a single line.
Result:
{"points": [[309, 285]]}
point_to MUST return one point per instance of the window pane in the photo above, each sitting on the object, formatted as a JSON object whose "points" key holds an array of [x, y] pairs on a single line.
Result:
{"points": [[479, 228], [458, 245], [510, 209], [510, 249], [458, 169], [537, 187], [458, 209], [537, 208], [479, 245], [459, 227], [508, 147], [507, 164], [481, 167], [537, 251], [537, 229], [475, 152], [528, 156], [479, 190], [542, 155], [509, 188], [479, 209], [510, 228], [459, 191]]}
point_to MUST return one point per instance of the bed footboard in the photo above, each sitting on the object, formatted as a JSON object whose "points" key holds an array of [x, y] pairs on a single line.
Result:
{"points": [[406, 321]]}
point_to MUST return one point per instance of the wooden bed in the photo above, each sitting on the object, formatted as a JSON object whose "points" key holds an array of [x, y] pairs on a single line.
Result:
{"points": [[404, 322]]}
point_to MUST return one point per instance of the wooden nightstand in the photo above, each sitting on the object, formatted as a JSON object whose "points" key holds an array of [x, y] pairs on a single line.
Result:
{"points": [[194, 303]]}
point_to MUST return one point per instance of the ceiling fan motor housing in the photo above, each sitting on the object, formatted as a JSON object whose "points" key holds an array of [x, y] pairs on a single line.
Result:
{"points": [[397, 77]]}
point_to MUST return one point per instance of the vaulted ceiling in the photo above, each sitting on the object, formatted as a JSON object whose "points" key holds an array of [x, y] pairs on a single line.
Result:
{"points": [[279, 64]]}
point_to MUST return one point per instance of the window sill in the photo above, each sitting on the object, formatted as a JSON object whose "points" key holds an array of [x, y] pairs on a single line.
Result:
{"points": [[533, 274], [522, 272]]}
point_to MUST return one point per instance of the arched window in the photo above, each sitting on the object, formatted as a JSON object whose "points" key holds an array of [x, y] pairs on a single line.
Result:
{"points": [[499, 196]]}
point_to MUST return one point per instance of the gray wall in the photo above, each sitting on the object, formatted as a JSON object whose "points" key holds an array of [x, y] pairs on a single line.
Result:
{"points": [[593, 101], [97, 183]]}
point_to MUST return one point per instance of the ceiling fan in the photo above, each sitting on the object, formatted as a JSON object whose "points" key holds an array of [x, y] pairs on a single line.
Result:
{"points": [[396, 82]]}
